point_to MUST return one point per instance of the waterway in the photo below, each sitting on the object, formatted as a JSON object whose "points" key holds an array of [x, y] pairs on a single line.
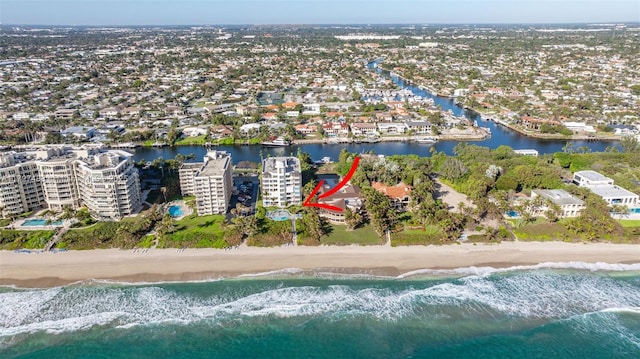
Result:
{"points": [[500, 136]]}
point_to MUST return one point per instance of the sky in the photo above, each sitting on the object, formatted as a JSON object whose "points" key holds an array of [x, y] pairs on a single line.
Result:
{"points": [[213, 12]]}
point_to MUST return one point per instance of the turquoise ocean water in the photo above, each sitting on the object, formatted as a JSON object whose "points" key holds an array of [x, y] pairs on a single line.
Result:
{"points": [[568, 310]]}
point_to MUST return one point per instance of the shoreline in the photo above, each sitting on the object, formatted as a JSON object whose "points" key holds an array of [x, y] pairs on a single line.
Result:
{"points": [[161, 265]]}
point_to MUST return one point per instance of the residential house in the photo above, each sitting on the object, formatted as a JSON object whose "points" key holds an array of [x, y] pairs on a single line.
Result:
{"points": [[391, 128], [419, 127], [348, 196], [400, 194], [604, 187], [364, 129], [194, 131], [335, 129], [568, 205], [79, 132], [306, 129]]}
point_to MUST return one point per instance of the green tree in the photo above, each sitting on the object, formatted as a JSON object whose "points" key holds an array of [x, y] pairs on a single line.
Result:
{"points": [[353, 219]]}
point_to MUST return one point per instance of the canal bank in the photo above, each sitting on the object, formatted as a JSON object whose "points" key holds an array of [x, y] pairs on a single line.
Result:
{"points": [[448, 103], [500, 135]]}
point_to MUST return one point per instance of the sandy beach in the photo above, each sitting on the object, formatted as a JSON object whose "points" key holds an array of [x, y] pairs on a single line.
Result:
{"points": [[53, 269]]}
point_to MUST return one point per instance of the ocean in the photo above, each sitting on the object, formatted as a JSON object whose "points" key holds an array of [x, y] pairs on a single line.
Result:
{"points": [[571, 310]]}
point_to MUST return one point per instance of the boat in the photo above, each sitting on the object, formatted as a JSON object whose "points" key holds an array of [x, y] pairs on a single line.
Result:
{"points": [[427, 139], [278, 142]]}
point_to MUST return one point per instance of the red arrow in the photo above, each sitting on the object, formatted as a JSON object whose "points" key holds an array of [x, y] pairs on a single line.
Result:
{"points": [[342, 183]]}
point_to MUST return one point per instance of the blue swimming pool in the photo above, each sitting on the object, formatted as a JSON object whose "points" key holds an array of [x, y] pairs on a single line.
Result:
{"points": [[175, 211], [39, 222], [513, 214], [634, 210]]}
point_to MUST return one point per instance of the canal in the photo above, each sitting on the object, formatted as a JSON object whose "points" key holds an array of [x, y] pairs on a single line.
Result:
{"points": [[500, 136]]}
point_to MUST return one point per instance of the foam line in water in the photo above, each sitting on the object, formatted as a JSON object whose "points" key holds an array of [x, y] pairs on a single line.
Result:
{"points": [[593, 267], [529, 294]]}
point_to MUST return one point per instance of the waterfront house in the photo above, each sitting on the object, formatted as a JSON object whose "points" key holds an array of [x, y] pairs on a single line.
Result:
{"points": [[400, 194], [81, 132], [604, 187], [306, 129], [348, 196], [567, 204], [339, 129], [391, 128], [364, 129], [419, 127]]}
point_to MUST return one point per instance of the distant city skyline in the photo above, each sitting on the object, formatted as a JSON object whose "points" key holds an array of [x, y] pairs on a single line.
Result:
{"points": [[224, 12]]}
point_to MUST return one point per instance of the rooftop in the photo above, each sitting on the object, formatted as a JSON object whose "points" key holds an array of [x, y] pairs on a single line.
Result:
{"points": [[398, 191], [558, 196], [612, 191], [271, 164], [592, 176], [214, 167]]}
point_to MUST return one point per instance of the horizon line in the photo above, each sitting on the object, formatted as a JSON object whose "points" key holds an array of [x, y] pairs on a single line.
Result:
{"points": [[334, 24]]}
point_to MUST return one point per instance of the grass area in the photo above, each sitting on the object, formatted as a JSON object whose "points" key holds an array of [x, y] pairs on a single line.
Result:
{"points": [[408, 237], [13, 239], [147, 241], [197, 140], [198, 232], [627, 223], [226, 141], [100, 235], [545, 232], [362, 236], [148, 143], [4, 222]]}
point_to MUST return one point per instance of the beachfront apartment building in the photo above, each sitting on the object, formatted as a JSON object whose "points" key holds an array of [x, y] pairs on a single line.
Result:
{"points": [[108, 184], [58, 177], [604, 187], [281, 182], [20, 189], [187, 173], [58, 181], [210, 181]]}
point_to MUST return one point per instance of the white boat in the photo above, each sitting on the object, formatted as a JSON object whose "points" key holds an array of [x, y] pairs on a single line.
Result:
{"points": [[427, 139], [278, 142]]}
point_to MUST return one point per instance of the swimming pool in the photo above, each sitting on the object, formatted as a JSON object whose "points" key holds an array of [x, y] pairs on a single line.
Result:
{"points": [[39, 222], [512, 214], [278, 215], [634, 210], [175, 211]]}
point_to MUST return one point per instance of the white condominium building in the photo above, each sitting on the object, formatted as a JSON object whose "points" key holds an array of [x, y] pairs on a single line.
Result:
{"points": [[58, 181], [281, 182], [108, 184], [187, 173], [20, 189], [210, 181], [61, 176]]}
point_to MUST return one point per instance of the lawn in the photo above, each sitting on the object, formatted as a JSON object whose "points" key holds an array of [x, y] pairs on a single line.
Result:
{"points": [[197, 231], [409, 237], [362, 236], [197, 140], [544, 232], [627, 223]]}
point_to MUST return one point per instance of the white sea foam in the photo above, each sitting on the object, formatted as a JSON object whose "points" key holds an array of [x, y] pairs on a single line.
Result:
{"points": [[273, 273], [529, 294], [592, 267]]}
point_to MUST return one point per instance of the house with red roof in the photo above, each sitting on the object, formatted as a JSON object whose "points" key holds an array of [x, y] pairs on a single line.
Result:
{"points": [[400, 194]]}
